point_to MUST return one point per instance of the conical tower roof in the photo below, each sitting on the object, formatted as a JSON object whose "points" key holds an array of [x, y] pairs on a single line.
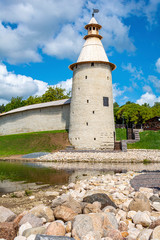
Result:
{"points": [[93, 50]]}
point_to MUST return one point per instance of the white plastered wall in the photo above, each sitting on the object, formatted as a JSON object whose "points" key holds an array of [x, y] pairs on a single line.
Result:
{"points": [[91, 123], [40, 119]]}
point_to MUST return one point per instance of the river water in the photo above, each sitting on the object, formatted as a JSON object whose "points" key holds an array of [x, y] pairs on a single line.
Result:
{"points": [[34, 175]]}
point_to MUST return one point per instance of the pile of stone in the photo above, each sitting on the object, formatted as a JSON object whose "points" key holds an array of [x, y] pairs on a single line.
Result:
{"points": [[104, 207], [137, 155]]}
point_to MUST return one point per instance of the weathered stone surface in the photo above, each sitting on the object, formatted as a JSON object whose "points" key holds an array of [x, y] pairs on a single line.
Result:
{"points": [[31, 237], [64, 213], [20, 238], [145, 234], [140, 203], [32, 219], [156, 206], [154, 198], [142, 218], [133, 233], [100, 197], [43, 211], [122, 227], [100, 222], [24, 227], [92, 236], [56, 228], [51, 194], [109, 209], [91, 208], [8, 230], [131, 214], [155, 223], [114, 234], [156, 233], [36, 230], [46, 237], [68, 201], [6, 215], [69, 227]]}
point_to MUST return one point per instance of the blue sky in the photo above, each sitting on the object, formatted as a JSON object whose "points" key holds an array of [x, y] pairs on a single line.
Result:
{"points": [[39, 39]]}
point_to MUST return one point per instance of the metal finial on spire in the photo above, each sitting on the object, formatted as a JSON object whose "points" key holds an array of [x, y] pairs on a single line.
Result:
{"points": [[94, 11]]}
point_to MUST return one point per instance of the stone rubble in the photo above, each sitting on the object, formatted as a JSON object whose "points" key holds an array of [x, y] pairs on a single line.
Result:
{"points": [[137, 155], [104, 207]]}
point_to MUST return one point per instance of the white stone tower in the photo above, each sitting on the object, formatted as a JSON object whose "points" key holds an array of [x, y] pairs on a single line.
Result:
{"points": [[91, 111]]}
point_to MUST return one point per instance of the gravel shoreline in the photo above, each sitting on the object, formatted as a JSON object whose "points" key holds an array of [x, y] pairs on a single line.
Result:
{"points": [[132, 155]]}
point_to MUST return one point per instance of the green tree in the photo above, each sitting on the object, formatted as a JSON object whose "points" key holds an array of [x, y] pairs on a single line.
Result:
{"points": [[15, 102], [54, 93], [2, 108], [33, 100]]}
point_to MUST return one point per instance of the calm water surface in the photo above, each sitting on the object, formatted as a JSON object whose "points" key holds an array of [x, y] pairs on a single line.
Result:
{"points": [[27, 175]]}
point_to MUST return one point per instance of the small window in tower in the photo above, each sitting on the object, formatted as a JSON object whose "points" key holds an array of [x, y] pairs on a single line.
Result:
{"points": [[85, 77], [97, 29], [79, 88], [87, 123], [93, 112], [87, 101], [107, 77], [94, 138], [90, 28], [93, 28], [92, 64], [105, 101]]}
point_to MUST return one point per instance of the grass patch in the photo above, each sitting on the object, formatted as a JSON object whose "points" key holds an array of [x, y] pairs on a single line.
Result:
{"points": [[121, 134], [19, 144], [146, 161], [148, 140]]}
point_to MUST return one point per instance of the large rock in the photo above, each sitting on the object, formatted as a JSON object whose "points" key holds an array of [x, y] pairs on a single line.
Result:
{"points": [[100, 197], [154, 198], [142, 218], [140, 203], [20, 238], [133, 233], [64, 213], [100, 222], [6, 215], [145, 234], [43, 211], [56, 228], [68, 201], [156, 233], [8, 230], [34, 231], [156, 206], [24, 227], [32, 219]]}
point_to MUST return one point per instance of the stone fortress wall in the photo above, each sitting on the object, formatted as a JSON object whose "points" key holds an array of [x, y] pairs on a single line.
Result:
{"points": [[37, 117]]}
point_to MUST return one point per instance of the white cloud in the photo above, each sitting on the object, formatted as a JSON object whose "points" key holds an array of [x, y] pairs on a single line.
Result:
{"points": [[56, 27], [158, 65], [135, 73], [155, 81], [148, 98], [67, 85], [116, 91], [147, 88], [13, 85]]}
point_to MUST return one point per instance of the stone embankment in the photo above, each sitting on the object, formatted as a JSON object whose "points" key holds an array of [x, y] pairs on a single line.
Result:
{"points": [[105, 207], [138, 155]]}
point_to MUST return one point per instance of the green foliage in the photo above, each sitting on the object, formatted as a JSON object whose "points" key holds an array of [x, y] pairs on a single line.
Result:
{"points": [[27, 143], [15, 102], [121, 134], [146, 161], [54, 93], [28, 192], [134, 113], [148, 140]]}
